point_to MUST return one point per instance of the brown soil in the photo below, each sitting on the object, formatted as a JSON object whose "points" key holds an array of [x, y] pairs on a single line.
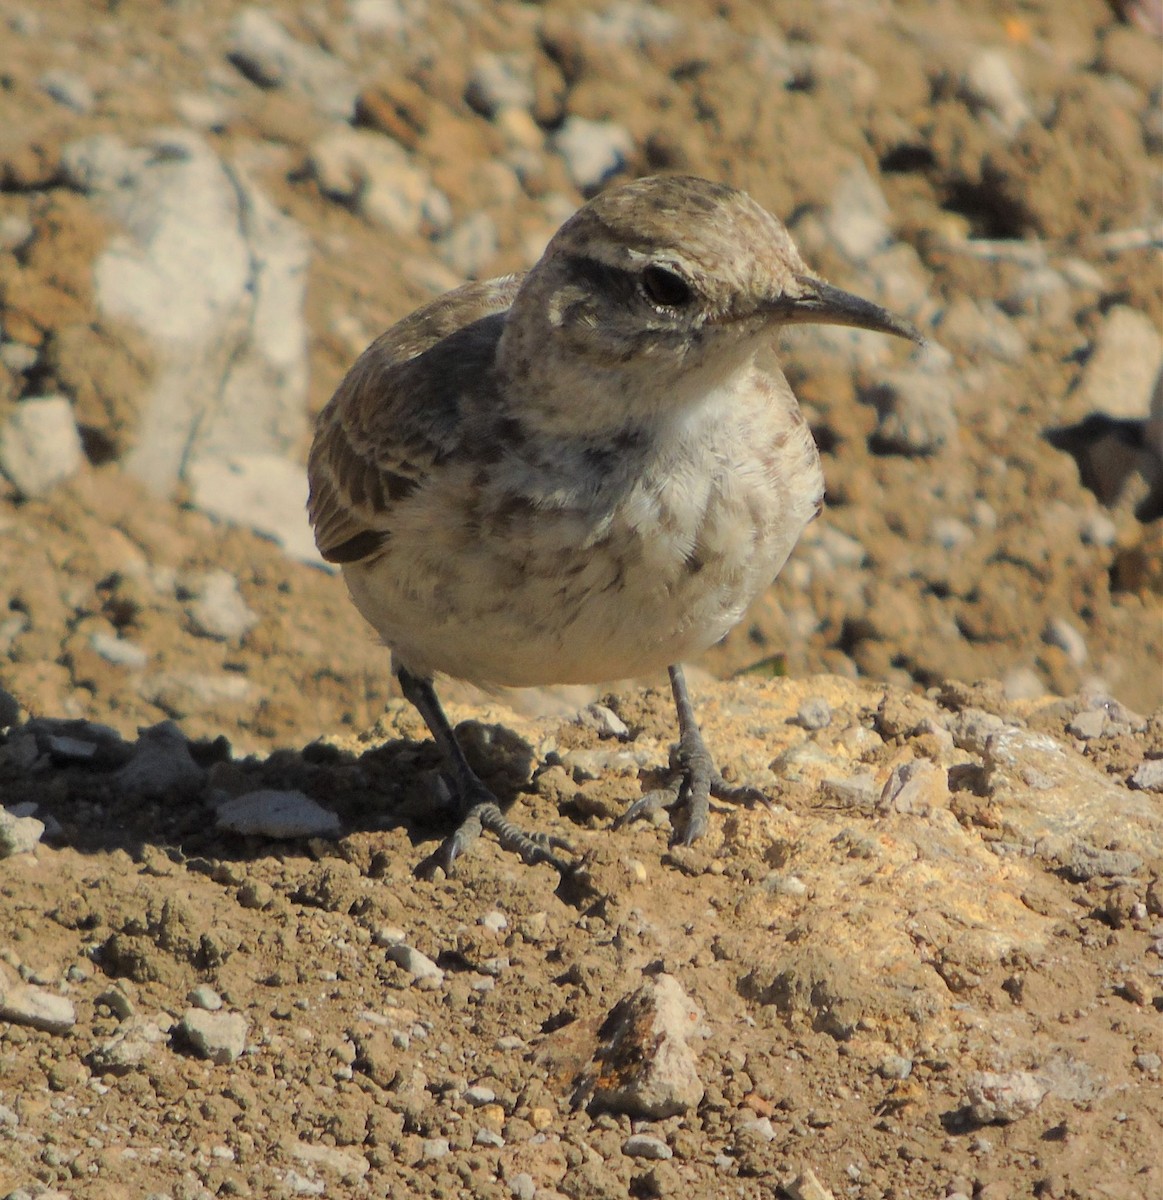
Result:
{"points": [[345, 1053]]}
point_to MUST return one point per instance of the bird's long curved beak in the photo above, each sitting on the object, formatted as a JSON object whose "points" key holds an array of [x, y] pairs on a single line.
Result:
{"points": [[820, 303]]}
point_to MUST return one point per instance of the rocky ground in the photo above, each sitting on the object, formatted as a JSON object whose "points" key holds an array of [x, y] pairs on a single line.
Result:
{"points": [[934, 966]]}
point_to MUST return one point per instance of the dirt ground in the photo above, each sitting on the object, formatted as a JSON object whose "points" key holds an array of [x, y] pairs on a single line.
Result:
{"points": [[850, 968]]}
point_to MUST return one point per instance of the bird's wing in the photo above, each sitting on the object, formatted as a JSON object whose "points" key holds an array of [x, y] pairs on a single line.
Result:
{"points": [[396, 415]]}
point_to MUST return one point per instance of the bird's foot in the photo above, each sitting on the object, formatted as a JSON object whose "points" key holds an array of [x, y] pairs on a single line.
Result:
{"points": [[695, 780], [481, 812]]}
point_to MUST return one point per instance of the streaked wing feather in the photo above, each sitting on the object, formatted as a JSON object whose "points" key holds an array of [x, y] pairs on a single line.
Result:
{"points": [[395, 416]]}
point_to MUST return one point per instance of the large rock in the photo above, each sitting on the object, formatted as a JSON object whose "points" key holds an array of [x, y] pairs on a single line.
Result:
{"points": [[214, 276]]}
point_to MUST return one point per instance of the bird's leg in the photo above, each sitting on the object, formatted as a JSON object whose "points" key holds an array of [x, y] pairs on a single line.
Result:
{"points": [[696, 779], [479, 809]]}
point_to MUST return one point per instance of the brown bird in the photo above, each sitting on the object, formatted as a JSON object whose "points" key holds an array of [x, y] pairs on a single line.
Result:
{"points": [[583, 473]]}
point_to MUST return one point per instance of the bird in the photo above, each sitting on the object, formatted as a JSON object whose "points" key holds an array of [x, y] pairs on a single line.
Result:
{"points": [[584, 472]]}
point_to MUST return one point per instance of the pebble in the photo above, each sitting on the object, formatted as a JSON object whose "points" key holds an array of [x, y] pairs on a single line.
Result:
{"points": [[1149, 1063], [643, 1145], [25, 1004], [488, 1137], [277, 814], [470, 245], [434, 1149], [216, 608], [218, 1036], [806, 1186], [346, 1164], [1059, 632], [499, 81], [814, 713], [916, 405], [269, 56], [979, 329], [604, 720], [205, 997], [1119, 377], [133, 1043], [1098, 529], [594, 151], [479, 1094], [161, 764], [522, 1185], [949, 532], [989, 84], [494, 920], [1148, 776], [647, 1066], [1088, 725], [39, 445], [19, 835], [857, 218], [18, 357], [1023, 683], [263, 492], [994, 1097], [16, 231], [418, 965], [895, 1066], [67, 89], [121, 652]]}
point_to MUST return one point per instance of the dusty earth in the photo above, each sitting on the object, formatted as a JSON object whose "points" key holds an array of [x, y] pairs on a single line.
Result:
{"points": [[915, 907]]}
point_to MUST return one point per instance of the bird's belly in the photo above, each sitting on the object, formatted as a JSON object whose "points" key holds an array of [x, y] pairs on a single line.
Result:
{"points": [[563, 598]]}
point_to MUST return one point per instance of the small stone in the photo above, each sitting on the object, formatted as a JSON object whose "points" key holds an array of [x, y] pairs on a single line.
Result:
{"points": [[603, 719], [434, 1149], [418, 965], [19, 835], [1088, 725], [916, 405], [1149, 1063], [1119, 377], [1098, 529], [643, 1145], [161, 765], [646, 1067], [1003, 1098], [119, 651], [216, 608], [24, 1004], [479, 1095], [277, 814], [1023, 683], [346, 1164], [205, 997], [1059, 632], [895, 1066], [814, 713], [218, 1036], [806, 1186], [499, 81], [39, 445], [1148, 776], [488, 1137], [67, 89], [496, 921], [594, 151], [133, 1043], [522, 1185], [989, 84]]}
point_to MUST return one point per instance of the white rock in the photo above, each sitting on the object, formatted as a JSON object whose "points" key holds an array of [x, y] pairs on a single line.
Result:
{"points": [[376, 176], [263, 492], [267, 54], [345, 1163], [1059, 632], [418, 965], [917, 405], [1005, 1098], [382, 17], [214, 276], [977, 327], [119, 651], [40, 445], [857, 217], [217, 608], [989, 84], [1120, 375], [132, 1043], [593, 150], [205, 997], [277, 814], [499, 81], [469, 246], [68, 89], [23, 1004], [643, 1145], [19, 835], [218, 1036], [647, 1067]]}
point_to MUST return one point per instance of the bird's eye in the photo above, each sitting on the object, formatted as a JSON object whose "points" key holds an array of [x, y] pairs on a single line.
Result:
{"points": [[665, 288]]}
